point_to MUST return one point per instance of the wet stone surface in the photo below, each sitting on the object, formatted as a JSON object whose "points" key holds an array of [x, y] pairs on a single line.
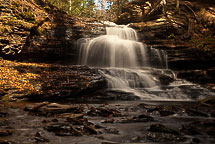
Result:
{"points": [[132, 122]]}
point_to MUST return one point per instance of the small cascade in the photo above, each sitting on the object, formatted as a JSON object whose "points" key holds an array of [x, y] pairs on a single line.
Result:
{"points": [[124, 78], [159, 58]]}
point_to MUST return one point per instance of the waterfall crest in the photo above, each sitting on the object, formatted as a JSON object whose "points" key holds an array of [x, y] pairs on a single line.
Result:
{"points": [[118, 48], [122, 32]]}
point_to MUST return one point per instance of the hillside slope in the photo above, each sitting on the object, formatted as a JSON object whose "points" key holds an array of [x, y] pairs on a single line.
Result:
{"points": [[32, 27]]}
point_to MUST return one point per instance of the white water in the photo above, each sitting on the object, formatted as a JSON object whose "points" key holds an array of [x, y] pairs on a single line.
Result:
{"points": [[118, 48], [111, 51], [123, 32], [125, 63]]}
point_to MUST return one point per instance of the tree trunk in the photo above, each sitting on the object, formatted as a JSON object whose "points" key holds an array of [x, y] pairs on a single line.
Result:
{"points": [[177, 4], [70, 5]]}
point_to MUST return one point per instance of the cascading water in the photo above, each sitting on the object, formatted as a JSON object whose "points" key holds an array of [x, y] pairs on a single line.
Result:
{"points": [[126, 64], [118, 48]]}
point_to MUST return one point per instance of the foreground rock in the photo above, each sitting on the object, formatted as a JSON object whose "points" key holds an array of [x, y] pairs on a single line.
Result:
{"points": [[69, 81], [133, 122], [43, 81]]}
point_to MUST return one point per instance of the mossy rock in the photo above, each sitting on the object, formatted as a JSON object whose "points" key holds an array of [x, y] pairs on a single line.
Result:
{"points": [[28, 16], [124, 18], [131, 13], [24, 13]]}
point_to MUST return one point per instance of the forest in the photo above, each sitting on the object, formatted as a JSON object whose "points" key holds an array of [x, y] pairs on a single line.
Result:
{"points": [[107, 71]]}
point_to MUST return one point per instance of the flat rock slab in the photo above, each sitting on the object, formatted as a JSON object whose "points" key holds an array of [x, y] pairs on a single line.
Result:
{"points": [[48, 81]]}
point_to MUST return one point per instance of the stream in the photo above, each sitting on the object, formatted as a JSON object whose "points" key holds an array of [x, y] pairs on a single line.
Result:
{"points": [[143, 101]]}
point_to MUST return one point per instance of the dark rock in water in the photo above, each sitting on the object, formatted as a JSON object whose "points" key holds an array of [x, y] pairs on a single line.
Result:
{"points": [[211, 132], [108, 121], [6, 142], [190, 130], [165, 79], [109, 143], [213, 113], [64, 130], [3, 114], [166, 112], [153, 109], [163, 110], [140, 118], [196, 140], [49, 109], [39, 138], [36, 107], [200, 127], [71, 116], [67, 129], [164, 137], [5, 132], [162, 129], [193, 112], [4, 122], [143, 118], [105, 112], [112, 131]]}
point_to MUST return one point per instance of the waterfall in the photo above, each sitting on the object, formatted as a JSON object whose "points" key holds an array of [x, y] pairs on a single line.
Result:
{"points": [[120, 58], [118, 48], [132, 68], [122, 32], [160, 58]]}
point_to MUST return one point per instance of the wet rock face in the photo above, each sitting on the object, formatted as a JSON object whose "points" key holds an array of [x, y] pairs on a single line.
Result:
{"points": [[199, 76], [138, 11], [53, 82], [130, 13], [59, 82]]}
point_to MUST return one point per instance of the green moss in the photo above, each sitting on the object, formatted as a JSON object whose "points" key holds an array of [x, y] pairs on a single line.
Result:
{"points": [[205, 45], [4, 99], [24, 25], [18, 23], [171, 36], [23, 12], [28, 16], [40, 31]]}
